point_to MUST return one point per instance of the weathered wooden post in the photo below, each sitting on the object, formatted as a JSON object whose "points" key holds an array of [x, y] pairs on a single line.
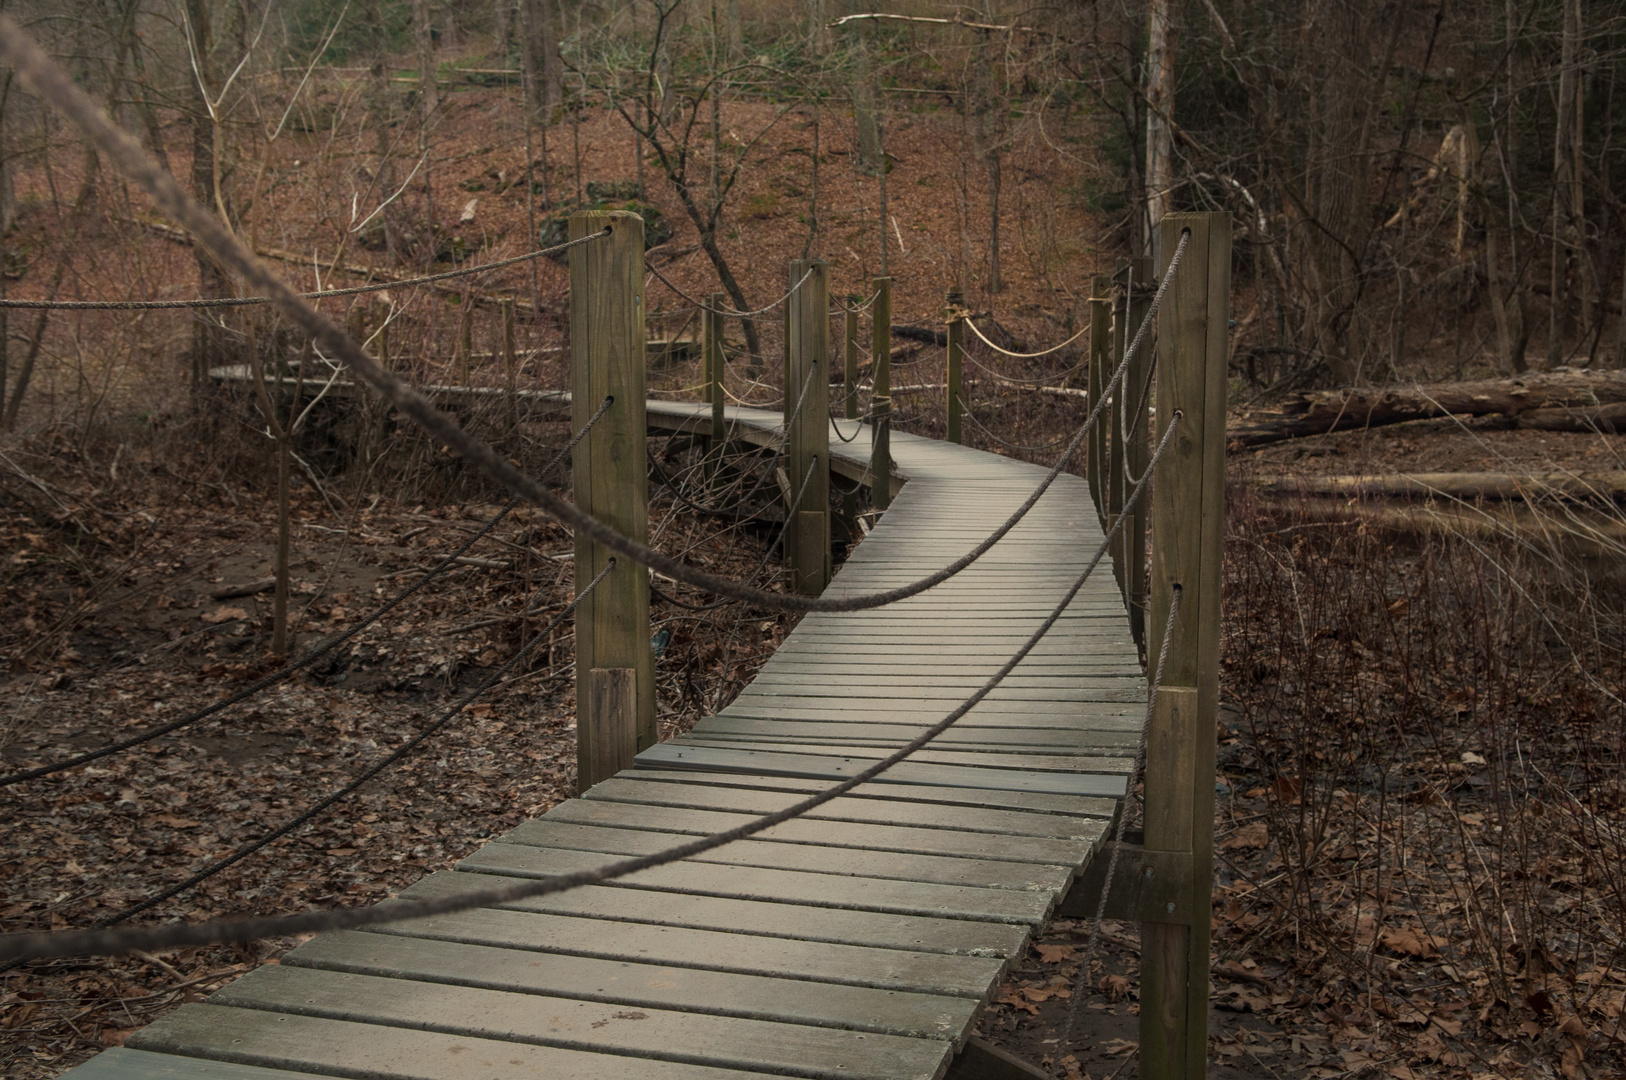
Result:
{"points": [[711, 335], [615, 672], [1134, 449], [465, 341], [1188, 534], [849, 374], [807, 434], [880, 398], [1100, 364], [956, 358], [510, 363]]}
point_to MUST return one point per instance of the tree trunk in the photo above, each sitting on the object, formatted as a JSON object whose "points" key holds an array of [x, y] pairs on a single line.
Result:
{"points": [[1565, 139], [736, 30], [863, 95], [1159, 109], [206, 336], [995, 282], [818, 30]]}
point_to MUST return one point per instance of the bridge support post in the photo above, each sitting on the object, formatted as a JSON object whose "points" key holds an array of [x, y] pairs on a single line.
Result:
{"points": [[1131, 447], [611, 483], [849, 376], [956, 361], [880, 398], [807, 430], [1188, 534], [711, 334], [1100, 372]]}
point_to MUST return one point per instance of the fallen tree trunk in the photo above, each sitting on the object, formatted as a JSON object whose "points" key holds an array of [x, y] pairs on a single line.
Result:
{"points": [[1572, 528], [1604, 486], [1546, 401]]}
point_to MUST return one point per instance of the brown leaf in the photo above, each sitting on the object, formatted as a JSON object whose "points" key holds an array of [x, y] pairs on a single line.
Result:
{"points": [[116, 1036], [220, 615], [1054, 954], [1254, 835], [177, 822], [1115, 986], [1410, 942]]}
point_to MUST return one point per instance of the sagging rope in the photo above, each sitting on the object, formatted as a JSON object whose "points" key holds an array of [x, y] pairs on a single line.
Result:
{"points": [[1030, 355], [45, 945], [1082, 980], [725, 311], [245, 301], [289, 671], [52, 84], [368, 774]]}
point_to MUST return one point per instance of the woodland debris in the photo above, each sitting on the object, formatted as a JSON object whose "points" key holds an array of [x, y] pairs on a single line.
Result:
{"points": [[1608, 486], [1560, 400]]}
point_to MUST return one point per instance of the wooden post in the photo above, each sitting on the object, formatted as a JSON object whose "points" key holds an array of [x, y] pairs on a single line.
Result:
{"points": [[465, 339], [807, 437], [1188, 526], [611, 481], [711, 333], [510, 363], [613, 704], [849, 376], [956, 358], [880, 398], [1100, 361], [1111, 428], [1140, 286]]}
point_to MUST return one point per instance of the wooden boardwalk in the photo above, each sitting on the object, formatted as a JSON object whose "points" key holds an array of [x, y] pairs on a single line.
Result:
{"points": [[855, 942]]}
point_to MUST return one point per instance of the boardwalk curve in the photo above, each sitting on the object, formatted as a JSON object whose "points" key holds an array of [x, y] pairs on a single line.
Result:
{"points": [[855, 942]]}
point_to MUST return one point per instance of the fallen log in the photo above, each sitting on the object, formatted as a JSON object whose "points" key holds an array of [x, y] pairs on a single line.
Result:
{"points": [[1545, 401], [1601, 486], [1573, 528]]}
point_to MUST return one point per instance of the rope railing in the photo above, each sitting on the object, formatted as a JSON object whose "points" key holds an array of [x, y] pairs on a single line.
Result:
{"points": [[290, 670], [1025, 356], [44, 945], [324, 294], [703, 306], [1139, 767], [371, 772]]}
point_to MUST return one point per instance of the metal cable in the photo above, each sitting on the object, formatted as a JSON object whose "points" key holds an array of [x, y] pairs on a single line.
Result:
{"points": [[50, 944], [1082, 980], [1026, 355], [244, 301], [725, 311], [53, 84], [309, 658], [368, 774]]}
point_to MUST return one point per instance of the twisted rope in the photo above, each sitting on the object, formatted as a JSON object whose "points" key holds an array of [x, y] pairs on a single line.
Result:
{"points": [[1139, 767], [703, 306], [1026, 355], [368, 774]]}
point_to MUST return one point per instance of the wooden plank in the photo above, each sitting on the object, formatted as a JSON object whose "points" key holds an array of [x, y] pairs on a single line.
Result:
{"points": [[670, 756], [811, 857], [961, 843], [981, 759], [697, 791], [794, 886], [1070, 737], [642, 985], [936, 795], [742, 954], [961, 937], [311, 1044], [122, 1063], [655, 1034]]}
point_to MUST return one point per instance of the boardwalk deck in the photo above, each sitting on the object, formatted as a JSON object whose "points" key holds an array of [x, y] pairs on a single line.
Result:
{"points": [[855, 942]]}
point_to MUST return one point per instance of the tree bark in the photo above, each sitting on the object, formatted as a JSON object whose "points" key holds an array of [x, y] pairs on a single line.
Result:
{"points": [[1565, 139], [1159, 109], [206, 336]]}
